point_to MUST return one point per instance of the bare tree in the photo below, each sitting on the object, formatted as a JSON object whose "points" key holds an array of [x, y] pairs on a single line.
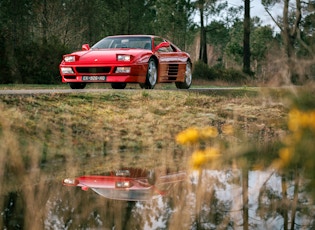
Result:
{"points": [[290, 31], [201, 4], [246, 41]]}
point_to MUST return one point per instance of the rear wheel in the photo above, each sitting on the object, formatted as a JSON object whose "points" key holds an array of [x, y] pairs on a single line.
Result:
{"points": [[152, 73], [188, 78], [118, 85], [76, 85]]}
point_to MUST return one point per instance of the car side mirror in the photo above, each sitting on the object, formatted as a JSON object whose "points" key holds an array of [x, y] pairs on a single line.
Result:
{"points": [[162, 45], [86, 47]]}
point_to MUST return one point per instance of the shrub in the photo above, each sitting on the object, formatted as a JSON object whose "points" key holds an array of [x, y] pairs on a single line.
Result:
{"points": [[203, 71], [38, 63]]}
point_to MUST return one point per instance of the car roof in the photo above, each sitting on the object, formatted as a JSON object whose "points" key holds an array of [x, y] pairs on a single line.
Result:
{"points": [[133, 35]]}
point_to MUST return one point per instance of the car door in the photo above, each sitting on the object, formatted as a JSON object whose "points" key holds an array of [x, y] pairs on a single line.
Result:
{"points": [[172, 62]]}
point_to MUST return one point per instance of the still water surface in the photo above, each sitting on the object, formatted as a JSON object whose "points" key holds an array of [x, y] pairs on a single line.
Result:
{"points": [[128, 191]]}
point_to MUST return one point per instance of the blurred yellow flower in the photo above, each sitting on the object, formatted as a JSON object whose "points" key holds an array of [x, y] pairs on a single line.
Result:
{"points": [[209, 132], [285, 158], [293, 122], [192, 135], [286, 155], [202, 157], [188, 136], [299, 120]]}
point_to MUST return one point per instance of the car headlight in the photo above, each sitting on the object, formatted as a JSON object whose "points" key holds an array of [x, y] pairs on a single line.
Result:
{"points": [[70, 182], [123, 57], [66, 70], [69, 58], [123, 184], [123, 70]]}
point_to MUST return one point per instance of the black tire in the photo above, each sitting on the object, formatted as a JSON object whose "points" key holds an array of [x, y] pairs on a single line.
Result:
{"points": [[152, 74], [76, 85], [118, 85], [188, 78]]}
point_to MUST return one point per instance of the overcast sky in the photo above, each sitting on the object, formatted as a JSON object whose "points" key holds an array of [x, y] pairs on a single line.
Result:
{"points": [[257, 9]]}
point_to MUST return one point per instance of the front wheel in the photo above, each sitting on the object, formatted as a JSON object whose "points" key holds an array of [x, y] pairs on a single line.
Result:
{"points": [[118, 85], [76, 85], [188, 78], [152, 74]]}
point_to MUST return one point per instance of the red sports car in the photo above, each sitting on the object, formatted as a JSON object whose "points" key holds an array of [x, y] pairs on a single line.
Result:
{"points": [[143, 59], [132, 184]]}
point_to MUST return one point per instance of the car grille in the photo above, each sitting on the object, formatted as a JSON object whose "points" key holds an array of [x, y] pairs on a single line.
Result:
{"points": [[172, 69], [93, 69]]}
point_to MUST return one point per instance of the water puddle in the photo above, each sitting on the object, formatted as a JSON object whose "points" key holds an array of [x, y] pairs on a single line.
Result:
{"points": [[114, 192]]}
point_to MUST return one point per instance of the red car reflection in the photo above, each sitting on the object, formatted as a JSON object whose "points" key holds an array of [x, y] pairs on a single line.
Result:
{"points": [[130, 184]]}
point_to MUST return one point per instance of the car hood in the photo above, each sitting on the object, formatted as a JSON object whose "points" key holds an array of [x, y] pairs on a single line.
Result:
{"points": [[108, 55]]}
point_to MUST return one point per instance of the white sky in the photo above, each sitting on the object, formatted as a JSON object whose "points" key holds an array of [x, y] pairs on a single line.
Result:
{"points": [[257, 9]]}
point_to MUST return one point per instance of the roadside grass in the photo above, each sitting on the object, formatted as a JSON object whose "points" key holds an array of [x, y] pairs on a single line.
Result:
{"points": [[138, 120]]}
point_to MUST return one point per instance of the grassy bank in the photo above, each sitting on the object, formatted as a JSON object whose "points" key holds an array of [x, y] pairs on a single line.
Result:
{"points": [[117, 120]]}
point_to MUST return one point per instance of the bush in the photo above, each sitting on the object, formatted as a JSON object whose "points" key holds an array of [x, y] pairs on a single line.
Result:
{"points": [[38, 63], [31, 62], [203, 71]]}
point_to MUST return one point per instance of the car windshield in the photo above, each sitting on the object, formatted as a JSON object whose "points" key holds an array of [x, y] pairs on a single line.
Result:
{"points": [[124, 42]]}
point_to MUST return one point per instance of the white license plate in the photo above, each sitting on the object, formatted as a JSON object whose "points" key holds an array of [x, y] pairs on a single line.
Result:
{"points": [[93, 78]]}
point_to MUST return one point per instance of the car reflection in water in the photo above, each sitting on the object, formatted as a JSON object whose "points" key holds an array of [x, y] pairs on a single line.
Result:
{"points": [[130, 184]]}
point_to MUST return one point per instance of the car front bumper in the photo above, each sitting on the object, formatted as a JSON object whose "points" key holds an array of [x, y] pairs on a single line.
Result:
{"points": [[105, 74]]}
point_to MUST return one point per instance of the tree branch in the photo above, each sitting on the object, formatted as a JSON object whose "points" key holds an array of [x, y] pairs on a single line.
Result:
{"points": [[273, 19]]}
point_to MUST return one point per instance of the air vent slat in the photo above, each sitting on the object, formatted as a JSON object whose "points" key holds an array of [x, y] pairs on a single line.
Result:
{"points": [[172, 69]]}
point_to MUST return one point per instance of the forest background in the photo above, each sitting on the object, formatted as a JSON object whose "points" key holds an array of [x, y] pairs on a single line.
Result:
{"points": [[36, 33]]}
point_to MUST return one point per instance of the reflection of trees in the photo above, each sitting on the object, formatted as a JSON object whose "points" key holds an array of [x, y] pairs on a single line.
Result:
{"points": [[208, 202], [245, 198], [210, 212], [289, 204], [12, 215], [75, 209]]}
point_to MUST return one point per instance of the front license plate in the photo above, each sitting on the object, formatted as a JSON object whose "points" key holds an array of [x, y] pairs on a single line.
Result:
{"points": [[93, 78]]}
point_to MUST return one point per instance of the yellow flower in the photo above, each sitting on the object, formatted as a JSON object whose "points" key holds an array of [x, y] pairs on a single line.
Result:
{"points": [[201, 157], [285, 158], [286, 155], [197, 159], [209, 132], [188, 136], [294, 120], [193, 135], [299, 120]]}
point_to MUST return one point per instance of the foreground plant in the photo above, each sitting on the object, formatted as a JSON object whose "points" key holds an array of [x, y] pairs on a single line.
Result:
{"points": [[298, 152], [206, 142]]}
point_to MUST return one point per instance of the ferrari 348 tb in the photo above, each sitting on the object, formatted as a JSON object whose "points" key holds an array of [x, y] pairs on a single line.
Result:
{"points": [[132, 184], [143, 59]]}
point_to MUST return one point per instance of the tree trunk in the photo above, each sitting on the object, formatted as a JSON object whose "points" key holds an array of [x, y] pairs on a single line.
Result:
{"points": [[284, 207], [289, 38], [44, 22], [295, 198], [246, 41], [203, 37], [245, 198]]}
